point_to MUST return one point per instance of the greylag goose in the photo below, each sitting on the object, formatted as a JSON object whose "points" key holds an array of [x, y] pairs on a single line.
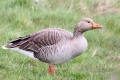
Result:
{"points": [[54, 45]]}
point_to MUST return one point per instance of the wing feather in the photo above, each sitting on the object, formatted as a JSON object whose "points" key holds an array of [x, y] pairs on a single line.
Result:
{"points": [[35, 41]]}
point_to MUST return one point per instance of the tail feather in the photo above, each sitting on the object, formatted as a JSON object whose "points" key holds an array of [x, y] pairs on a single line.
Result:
{"points": [[16, 43], [4, 47], [20, 39]]}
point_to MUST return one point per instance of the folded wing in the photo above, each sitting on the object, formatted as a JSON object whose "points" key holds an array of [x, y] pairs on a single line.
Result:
{"points": [[35, 41]]}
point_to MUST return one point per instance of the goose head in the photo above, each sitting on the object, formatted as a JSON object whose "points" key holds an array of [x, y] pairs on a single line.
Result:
{"points": [[84, 25]]}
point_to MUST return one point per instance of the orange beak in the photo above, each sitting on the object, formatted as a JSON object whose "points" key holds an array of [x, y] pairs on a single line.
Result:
{"points": [[96, 26]]}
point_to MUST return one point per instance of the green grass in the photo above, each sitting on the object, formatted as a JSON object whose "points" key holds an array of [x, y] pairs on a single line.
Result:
{"points": [[22, 17]]}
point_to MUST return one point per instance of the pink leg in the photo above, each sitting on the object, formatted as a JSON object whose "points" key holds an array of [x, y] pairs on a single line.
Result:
{"points": [[51, 70]]}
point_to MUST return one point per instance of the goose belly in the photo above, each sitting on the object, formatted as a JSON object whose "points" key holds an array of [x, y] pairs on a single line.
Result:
{"points": [[69, 50], [62, 54]]}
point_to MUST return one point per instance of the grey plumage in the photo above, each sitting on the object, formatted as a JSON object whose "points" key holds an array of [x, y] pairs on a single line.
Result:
{"points": [[41, 43], [53, 45]]}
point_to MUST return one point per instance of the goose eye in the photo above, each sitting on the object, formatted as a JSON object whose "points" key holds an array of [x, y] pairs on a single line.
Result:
{"points": [[88, 21]]}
